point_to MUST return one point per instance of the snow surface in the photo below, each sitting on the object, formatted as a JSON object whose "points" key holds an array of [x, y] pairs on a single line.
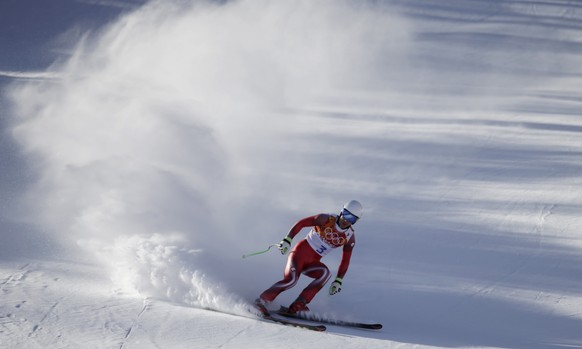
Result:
{"points": [[158, 150]]}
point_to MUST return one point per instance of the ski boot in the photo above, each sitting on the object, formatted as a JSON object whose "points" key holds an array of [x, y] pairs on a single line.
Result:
{"points": [[261, 306], [299, 306]]}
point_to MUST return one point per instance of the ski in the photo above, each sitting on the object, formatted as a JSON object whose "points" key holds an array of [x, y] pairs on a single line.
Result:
{"points": [[271, 318], [313, 318]]}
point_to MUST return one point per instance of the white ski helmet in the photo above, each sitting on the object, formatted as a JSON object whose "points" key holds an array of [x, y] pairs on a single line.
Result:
{"points": [[354, 207]]}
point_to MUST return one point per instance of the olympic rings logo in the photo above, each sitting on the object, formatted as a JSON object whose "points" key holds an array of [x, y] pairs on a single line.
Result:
{"points": [[333, 237]]}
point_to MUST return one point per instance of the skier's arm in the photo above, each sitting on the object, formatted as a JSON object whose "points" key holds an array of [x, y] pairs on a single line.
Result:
{"points": [[336, 285], [307, 222], [346, 256], [311, 221]]}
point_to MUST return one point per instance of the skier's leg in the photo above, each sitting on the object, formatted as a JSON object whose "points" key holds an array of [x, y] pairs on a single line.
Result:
{"points": [[321, 274], [290, 277]]}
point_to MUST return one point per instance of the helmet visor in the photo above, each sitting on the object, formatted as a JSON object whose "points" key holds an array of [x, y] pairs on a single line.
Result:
{"points": [[348, 216]]}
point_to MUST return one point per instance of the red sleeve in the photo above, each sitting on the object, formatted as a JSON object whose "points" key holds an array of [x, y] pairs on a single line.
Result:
{"points": [[346, 256], [307, 222]]}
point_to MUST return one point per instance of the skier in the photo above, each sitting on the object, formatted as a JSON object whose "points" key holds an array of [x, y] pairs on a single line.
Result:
{"points": [[329, 232]]}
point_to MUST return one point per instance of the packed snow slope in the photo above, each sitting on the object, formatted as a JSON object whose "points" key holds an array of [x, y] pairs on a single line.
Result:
{"points": [[155, 151]]}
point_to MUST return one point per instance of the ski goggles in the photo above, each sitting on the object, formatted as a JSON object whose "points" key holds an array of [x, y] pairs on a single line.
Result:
{"points": [[348, 216]]}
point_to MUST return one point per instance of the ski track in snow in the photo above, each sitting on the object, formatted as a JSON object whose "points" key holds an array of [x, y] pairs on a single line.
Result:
{"points": [[135, 324]]}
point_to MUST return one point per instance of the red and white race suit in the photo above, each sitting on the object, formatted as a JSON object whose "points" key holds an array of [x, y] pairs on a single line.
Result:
{"points": [[305, 257]]}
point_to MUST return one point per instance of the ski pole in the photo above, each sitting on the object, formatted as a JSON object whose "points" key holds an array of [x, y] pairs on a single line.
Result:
{"points": [[260, 252]]}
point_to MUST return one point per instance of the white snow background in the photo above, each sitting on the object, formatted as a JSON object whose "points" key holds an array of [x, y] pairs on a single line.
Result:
{"points": [[162, 147]]}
